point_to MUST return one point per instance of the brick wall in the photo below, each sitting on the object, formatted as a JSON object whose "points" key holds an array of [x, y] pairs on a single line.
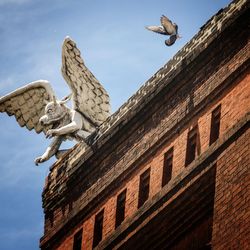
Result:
{"points": [[234, 105], [232, 198]]}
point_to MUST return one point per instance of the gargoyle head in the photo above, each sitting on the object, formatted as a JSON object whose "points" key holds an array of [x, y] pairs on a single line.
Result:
{"points": [[54, 111]]}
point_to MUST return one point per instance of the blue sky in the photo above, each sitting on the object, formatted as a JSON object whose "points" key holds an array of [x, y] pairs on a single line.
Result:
{"points": [[116, 47]]}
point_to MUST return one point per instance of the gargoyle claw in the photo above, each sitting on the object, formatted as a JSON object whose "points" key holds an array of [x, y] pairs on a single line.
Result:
{"points": [[50, 133], [39, 160]]}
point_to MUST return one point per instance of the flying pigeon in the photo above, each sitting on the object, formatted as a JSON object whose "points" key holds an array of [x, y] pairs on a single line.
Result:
{"points": [[166, 28]]}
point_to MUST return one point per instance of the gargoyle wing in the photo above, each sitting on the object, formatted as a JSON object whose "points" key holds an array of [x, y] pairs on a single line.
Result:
{"points": [[88, 95], [27, 104]]}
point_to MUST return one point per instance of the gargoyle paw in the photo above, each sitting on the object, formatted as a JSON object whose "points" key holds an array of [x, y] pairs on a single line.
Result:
{"points": [[38, 160], [51, 132]]}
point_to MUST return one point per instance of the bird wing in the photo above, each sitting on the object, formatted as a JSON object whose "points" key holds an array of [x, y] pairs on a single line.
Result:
{"points": [[157, 29], [27, 104], [88, 95], [168, 25], [171, 40]]}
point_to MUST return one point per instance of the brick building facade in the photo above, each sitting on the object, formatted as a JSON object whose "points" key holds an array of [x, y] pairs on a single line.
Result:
{"points": [[171, 169]]}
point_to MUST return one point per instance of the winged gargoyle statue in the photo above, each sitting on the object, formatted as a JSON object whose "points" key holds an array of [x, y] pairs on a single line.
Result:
{"points": [[36, 107]]}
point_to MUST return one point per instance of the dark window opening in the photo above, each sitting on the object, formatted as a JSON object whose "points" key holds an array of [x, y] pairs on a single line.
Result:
{"points": [[167, 166], [78, 241], [50, 217], [191, 146], [144, 187], [98, 228], [215, 125], [120, 208]]}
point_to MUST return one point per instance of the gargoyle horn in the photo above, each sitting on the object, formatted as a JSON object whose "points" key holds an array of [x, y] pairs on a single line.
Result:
{"points": [[54, 100]]}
